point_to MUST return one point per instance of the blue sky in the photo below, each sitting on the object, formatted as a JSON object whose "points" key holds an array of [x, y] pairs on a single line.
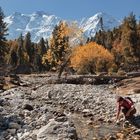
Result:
{"points": [[73, 9]]}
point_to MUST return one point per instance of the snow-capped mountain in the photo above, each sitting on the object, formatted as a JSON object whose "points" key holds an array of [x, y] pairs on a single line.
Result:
{"points": [[100, 21], [41, 24]]}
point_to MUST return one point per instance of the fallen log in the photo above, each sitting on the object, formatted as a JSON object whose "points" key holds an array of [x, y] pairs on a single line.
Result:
{"points": [[133, 74], [87, 79]]}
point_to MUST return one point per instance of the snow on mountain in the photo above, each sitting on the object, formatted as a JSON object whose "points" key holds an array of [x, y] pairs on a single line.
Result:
{"points": [[93, 24], [41, 24]]}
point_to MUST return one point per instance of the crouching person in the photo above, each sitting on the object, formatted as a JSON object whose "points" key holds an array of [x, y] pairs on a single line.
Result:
{"points": [[126, 105]]}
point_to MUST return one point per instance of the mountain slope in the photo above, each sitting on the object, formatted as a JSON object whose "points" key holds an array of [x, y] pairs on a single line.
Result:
{"points": [[41, 24], [93, 24]]}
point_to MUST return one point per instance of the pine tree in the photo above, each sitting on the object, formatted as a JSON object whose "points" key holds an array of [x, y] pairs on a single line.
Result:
{"points": [[27, 45], [13, 58], [22, 54], [101, 24], [37, 61], [138, 43], [100, 38], [109, 40], [3, 33], [42, 46]]}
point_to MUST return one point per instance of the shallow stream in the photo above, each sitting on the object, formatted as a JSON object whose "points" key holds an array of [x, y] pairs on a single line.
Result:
{"points": [[95, 130]]}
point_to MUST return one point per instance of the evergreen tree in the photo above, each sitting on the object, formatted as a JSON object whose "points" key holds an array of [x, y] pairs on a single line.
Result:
{"points": [[22, 54], [100, 38], [101, 24], [42, 46], [27, 45], [3, 33], [109, 40], [138, 43], [37, 61], [13, 58]]}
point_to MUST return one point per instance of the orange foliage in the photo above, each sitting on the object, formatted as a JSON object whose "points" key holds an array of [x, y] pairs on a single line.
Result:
{"points": [[90, 56]]}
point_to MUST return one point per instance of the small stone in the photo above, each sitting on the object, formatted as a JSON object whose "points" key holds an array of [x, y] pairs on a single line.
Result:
{"points": [[90, 122], [86, 111], [13, 125], [101, 119], [28, 107], [111, 138], [12, 131], [137, 132], [109, 121], [126, 124], [120, 135], [61, 119]]}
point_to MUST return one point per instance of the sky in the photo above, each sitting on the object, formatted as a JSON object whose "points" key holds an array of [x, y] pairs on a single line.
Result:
{"points": [[73, 9]]}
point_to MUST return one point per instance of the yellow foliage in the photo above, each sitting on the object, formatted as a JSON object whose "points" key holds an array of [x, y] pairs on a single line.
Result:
{"points": [[58, 45], [91, 57]]}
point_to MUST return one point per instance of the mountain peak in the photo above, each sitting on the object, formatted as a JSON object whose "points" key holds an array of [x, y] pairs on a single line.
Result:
{"points": [[41, 24], [40, 13]]}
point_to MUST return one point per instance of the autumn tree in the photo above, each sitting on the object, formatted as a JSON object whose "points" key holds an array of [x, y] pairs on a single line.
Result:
{"points": [[91, 58], [129, 41], [58, 47]]}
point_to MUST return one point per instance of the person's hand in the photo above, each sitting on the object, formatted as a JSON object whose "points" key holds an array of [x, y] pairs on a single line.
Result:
{"points": [[117, 122], [127, 114]]}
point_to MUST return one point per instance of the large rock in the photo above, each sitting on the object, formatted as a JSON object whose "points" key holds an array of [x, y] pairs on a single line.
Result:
{"points": [[56, 131]]}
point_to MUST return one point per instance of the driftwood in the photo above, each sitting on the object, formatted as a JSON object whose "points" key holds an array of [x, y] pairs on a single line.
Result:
{"points": [[87, 79]]}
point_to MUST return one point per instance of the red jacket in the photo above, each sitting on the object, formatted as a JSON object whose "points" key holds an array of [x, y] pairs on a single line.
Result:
{"points": [[127, 104]]}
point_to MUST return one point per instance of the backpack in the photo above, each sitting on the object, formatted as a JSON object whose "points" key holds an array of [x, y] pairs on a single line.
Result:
{"points": [[129, 99]]}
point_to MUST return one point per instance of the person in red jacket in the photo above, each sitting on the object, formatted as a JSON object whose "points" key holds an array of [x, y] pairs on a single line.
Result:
{"points": [[126, 105]]}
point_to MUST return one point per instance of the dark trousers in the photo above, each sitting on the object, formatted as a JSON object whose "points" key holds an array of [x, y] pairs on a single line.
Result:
{"points": [[131, 115]]}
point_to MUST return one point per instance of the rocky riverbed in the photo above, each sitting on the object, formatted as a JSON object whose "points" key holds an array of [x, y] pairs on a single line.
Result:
{"points": [[37, 110]]}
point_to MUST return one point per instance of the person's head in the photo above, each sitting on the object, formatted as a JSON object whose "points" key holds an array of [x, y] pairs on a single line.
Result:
{"points": [[120, 99]]}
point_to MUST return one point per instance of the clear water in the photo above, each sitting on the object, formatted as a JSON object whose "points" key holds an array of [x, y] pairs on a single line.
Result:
{"points": [[96, 130]]}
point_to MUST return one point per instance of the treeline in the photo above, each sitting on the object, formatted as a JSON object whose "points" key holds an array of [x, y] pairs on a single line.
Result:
{"points": [[26, 56], [108, 51], [123, 43]]}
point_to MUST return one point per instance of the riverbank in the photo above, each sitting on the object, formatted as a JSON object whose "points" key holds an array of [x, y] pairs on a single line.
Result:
{"points": [[38, 110]]}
